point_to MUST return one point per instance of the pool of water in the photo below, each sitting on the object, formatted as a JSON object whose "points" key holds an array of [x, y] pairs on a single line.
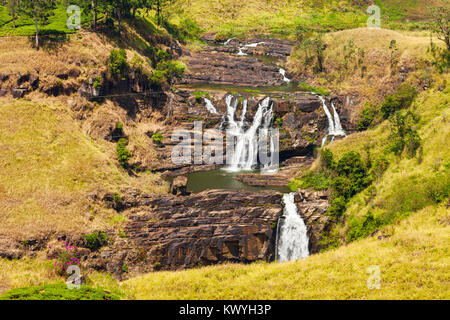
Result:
{"points": [[291, 87], [221, 179]]}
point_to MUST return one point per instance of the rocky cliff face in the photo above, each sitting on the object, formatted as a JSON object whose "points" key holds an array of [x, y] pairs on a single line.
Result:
{"points": [[170, 232], [312, 206]]}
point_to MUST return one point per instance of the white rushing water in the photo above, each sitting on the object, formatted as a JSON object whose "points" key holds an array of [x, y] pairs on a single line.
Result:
{"points": [[245, 155], [228, 41], [210, 107], [283, 73], [334, 122], [245, 47], [292, 236]]}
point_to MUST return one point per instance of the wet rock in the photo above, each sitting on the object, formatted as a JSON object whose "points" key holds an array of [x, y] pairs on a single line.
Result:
{"points": [[312, 206]]}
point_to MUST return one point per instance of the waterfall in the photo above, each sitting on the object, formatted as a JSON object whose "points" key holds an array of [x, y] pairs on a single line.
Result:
{"points": [[337, 123], [246, 146], [283, 73], [292, 240], [334, 122], [210, 106]]}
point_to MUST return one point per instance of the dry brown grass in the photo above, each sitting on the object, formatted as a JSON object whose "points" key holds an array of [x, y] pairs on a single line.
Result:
{"points": [[376, 76]]}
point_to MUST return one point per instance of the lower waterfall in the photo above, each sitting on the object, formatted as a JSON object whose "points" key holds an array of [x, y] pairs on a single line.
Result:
{"points": [[292, 236]]}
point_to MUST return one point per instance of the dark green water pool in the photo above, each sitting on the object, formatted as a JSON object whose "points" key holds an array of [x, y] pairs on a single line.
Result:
{"points": [[291, 87], [221, 179]]}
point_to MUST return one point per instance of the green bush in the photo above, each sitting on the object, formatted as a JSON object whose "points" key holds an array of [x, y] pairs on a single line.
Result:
{"points": [[118, 64], [96, 240], [57, 292], [157, 138], [122, 152], [337, 207], [171, 70], [403, 134], [327, 159], [366, 119], [402, 99], [362, 227], [199, 95]]}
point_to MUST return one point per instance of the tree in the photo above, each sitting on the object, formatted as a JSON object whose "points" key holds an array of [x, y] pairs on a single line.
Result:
{"points": [[160, 6], [39, 11], [441, 24], [13, 6], [314, 48]]}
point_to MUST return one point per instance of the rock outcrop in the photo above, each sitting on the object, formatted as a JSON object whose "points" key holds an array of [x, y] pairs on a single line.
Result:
{"points": [[169, 232], [312, 206]]}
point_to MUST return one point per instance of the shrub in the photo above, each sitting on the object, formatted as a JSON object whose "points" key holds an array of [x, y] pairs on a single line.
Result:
{"points": [[402, 99], [157, 138], [403, 135], [366, 119], [98, 82], [137, 63], [122, 152], [118, 64], [199, 95], [327, 158], [96, 240], [65, 258], [171, 70], [337, 207], [362, 227]]}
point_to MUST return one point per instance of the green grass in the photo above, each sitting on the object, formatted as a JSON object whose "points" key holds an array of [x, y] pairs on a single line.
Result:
{"points": [[57, 292], [281, 18], [56, 24]]}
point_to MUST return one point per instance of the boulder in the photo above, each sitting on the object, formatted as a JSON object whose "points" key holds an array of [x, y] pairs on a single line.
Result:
{"points": [[179, 186]]}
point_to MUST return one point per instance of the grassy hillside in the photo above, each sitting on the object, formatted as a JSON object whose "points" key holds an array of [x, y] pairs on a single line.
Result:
{"points": [[48, 168], [413, 261], [281, 17]]}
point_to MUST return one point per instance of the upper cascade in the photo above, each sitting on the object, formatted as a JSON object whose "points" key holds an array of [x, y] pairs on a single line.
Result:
{"points": [[334, 123], [245, 155]]}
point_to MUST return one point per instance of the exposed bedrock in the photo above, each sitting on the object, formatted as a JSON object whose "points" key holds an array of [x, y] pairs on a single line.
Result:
{"points": [[176, 232], [312, 206]]}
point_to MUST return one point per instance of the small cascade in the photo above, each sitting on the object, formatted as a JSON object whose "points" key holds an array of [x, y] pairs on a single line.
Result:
{"points": [[292, 236], [209, 106], [245, 47], [245, 154], [339, 131], [334, 123], [226, 43], [283, 73]]}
